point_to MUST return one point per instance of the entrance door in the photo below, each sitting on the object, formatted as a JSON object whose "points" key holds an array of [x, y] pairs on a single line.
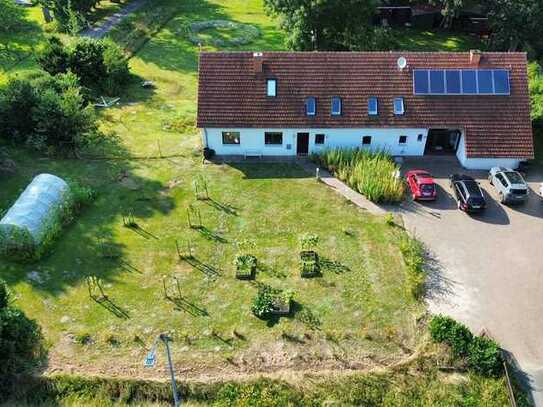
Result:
{"points": [[302, 145], [442, 142]]}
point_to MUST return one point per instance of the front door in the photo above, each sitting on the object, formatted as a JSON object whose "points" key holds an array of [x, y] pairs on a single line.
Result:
{"points": [[302, 146]]}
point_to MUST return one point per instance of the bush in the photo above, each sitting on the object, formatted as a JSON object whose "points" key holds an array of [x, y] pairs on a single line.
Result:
{"points": [[484, 357], [447, 330], [413, 255], [372, 173], [20, 341], [482, 354], [48, 114], [263, 304], [100, 65]]}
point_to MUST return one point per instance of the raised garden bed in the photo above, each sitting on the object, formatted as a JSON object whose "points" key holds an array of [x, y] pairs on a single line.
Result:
{"points": [[309, 264], [272, 302], [245, 267]]}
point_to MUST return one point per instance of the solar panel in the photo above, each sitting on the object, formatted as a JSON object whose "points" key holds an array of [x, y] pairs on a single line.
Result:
{"points": [[484, 81], [501, 82], [452, 80], [437, 82], [461, 82], [422, 86], [469, 82]]}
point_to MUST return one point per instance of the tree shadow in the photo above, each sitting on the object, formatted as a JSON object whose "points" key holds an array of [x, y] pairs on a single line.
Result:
{"points": [[92, 244]]}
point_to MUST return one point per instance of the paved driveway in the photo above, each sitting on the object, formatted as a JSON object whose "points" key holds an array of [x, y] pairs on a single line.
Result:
{"points": [[487, 269]]}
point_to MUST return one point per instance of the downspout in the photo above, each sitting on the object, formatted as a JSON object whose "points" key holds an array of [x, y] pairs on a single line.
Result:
{"points": [[205, 138]]}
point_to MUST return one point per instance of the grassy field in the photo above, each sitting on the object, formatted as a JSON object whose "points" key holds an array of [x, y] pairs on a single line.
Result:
{"points": [[359, 315]]}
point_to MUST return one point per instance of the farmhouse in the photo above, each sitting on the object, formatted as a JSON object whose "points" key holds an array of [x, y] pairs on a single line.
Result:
{"points": [[474, 105]]}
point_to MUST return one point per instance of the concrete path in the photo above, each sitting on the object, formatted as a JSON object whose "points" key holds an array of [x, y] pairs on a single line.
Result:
{"points": [[340, 187], [105, 26], [486, 269]]}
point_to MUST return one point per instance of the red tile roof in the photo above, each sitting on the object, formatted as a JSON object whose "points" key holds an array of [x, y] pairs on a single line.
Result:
{"points": [[231, 95]]}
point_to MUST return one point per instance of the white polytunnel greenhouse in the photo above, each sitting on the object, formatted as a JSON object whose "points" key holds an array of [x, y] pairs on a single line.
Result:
{"points": [[37, 210]]}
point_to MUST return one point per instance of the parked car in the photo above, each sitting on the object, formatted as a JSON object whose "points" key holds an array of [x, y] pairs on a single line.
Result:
{"points": [[422, 185], [510, 185], [468, 193]]}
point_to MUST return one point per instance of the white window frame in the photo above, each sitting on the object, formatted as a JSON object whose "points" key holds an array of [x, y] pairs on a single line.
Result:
{"points": [[271, 88], [337, 112], [306, 103], [376, 111], [400, 112]]}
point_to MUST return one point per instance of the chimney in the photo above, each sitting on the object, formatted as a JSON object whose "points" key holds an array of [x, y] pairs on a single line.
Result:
{"points": [[475, 57], [258, 61]]}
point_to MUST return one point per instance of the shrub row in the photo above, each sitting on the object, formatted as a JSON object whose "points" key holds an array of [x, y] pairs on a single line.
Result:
{"points": [[372, 173], [482, 354], [100, 65], [47, 113]]}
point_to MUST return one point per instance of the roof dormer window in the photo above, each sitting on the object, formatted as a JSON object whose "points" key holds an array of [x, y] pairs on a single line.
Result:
{"points": [[336, 106], [373, 106], [310, 106], [271, 87], [399, 108]]}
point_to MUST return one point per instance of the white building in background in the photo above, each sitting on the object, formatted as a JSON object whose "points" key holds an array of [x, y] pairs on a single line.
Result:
{"points": [[472, 105]]}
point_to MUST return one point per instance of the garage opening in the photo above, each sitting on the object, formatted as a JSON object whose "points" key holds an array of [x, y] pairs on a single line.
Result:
{"points": [[442, 141]]}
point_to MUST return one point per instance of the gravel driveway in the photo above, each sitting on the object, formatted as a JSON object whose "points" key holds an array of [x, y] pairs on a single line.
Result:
{"points": [[486, 269]]}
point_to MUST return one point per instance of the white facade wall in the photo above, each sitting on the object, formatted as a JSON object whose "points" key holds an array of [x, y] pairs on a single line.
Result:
{"points": [[252, 140], [483, 163]]}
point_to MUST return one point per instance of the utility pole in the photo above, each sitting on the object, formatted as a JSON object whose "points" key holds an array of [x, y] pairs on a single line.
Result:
{"points": [[150, 361]]}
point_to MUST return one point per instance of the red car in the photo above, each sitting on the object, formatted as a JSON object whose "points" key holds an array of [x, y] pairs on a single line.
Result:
{"points": [[422, 185]]}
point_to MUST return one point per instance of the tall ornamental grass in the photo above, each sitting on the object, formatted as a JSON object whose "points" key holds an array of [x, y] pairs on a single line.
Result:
{"points": [[372, 173]]}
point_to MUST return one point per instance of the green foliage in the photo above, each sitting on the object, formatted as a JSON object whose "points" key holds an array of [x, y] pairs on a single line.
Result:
{"points": [[413, 255], [69, 14], [100, 65], [5, 296], [456, 335], [265, 393], [308, 241], [484, 357], [372, 173], [482, 354], [20, 341], [326, 24], [535, 74], [516, 25], [11, 17], [48, 114], [268, 300], [263, 303], [389, 219]]}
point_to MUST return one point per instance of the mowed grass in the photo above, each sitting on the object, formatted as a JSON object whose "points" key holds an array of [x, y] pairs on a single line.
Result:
{"points": [[359, 311]]}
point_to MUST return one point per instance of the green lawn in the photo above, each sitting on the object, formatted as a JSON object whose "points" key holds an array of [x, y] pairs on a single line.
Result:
{"points": [[358, 315]]}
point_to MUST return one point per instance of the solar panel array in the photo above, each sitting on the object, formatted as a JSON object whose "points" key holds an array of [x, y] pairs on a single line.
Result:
{"points": [[461, 82]]}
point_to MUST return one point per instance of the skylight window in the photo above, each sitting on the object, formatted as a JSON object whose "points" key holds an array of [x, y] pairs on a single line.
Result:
{"points": [[272, 87], [311, 106], [373, 106], [399, 108], [336, 106]]}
